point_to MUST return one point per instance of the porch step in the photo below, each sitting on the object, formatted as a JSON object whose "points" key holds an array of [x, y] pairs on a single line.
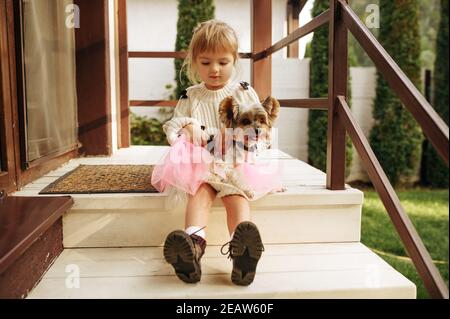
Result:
{"points": [[306, 213], [333, 270], [300, 215], [30, 234]]}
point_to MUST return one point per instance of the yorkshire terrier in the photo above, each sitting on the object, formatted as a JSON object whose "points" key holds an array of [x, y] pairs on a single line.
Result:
{"points": [[246, 130]]}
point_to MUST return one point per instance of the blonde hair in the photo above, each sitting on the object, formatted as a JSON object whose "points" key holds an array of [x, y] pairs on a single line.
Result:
{"points": [[209, 36]]}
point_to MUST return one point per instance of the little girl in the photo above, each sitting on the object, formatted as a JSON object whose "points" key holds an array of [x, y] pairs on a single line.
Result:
{"points": [[211, 58]]}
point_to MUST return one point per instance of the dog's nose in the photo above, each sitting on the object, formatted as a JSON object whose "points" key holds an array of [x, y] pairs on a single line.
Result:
{"points": [[257, 131]]}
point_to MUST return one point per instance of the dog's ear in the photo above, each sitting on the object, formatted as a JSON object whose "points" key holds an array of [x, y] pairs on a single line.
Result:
{"points": [[272, 107], [228, 110]]}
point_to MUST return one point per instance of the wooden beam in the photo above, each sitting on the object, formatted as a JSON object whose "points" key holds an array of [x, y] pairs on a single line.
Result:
{"points": [[261, 39], [157, 54], [153, 103], [294, 7], [337, 85], [7, 152], [172, 54], [93, 78], [293, 11], [430, 275], [315, 23], [302, 4], [314, 103]]}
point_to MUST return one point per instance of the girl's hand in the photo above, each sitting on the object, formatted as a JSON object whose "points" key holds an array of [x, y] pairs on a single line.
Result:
{"points": [[195, 135]]}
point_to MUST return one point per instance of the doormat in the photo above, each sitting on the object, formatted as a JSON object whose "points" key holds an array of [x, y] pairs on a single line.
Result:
{"points": [[94, 179]]}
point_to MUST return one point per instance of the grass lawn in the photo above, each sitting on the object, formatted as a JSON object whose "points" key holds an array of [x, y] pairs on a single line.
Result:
{"points": [[428, 210]]}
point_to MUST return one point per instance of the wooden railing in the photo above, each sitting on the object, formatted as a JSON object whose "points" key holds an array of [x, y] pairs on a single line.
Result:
{"points": [[341, 19], [411, 239], [432, 125], [315, 103], [318, 21]]}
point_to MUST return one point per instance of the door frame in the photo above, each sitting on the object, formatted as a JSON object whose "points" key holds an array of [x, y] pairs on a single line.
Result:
{"points": [[7, 141], [16, 174]]}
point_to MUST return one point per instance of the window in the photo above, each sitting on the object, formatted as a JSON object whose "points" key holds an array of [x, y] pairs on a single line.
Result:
{"points": [[47, 78]]}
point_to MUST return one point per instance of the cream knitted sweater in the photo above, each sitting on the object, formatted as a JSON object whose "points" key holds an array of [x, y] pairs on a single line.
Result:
{"points": [[200, 106]]}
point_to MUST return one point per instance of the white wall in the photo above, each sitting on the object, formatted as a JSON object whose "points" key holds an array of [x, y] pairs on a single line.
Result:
{"points": [[290, 80], [363, 94], [152, 24], [152, 27]]}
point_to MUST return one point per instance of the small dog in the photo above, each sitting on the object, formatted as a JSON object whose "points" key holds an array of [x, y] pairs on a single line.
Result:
{"points": [[254, 121], [251, 131]]}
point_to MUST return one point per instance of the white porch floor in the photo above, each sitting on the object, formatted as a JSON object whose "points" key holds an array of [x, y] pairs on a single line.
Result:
{"points": [[298, 177], [311, 236], [341, 270]]}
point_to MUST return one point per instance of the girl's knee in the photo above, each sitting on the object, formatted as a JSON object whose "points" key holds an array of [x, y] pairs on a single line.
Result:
{"points": [[205, 195], [208, 190], [234, 199]]}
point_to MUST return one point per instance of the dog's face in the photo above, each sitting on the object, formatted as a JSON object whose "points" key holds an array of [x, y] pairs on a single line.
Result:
{"points": [[254, 120]]}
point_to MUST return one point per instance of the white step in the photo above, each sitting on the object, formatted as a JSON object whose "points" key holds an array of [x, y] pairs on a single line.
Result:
{"points": [[299, 215], [306, 213], [334, 270]]}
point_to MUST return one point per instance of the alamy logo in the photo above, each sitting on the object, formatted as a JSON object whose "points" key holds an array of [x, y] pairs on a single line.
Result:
{"points": [[73, 17], [373, 19], [73, 278]]}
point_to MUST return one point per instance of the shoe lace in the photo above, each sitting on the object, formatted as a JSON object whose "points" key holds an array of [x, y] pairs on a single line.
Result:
{"points": [[228, 252]]}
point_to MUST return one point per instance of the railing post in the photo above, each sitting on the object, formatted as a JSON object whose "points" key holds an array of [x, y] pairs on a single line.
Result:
{"points": [[262, 39], [337, 85], [292, 15]]}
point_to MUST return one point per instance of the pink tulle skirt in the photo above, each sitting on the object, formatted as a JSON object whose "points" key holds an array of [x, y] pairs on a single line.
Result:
{"points": [[262, 177], [186, 166]]}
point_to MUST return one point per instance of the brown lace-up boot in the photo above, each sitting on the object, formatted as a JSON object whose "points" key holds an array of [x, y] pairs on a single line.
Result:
{"points": [[184, 252], [245, 249]]}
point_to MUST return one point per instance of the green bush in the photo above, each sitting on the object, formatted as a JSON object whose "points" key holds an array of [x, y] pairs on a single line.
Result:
{"points": [[190, 14], [436, 171], [318, 120], [147, 131], [396, 137], [428, 24]]}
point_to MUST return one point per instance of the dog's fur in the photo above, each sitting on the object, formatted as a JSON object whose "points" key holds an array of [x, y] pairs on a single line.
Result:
{"points": [[257, 118], [254, 121]]}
